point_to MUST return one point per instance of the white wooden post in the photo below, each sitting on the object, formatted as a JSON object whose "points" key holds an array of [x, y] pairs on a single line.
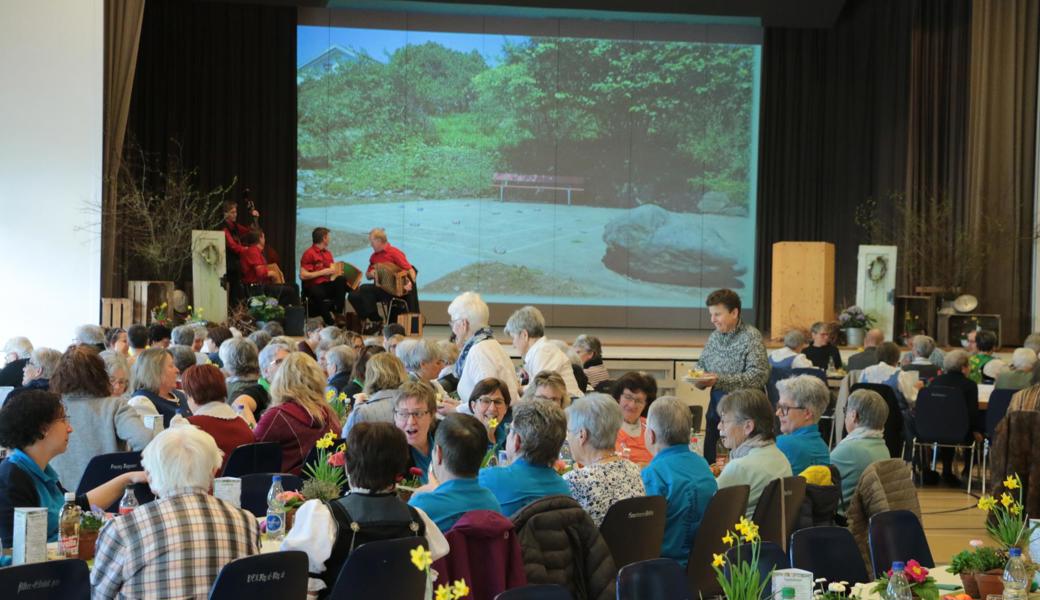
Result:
{"points": [[207, 267]]}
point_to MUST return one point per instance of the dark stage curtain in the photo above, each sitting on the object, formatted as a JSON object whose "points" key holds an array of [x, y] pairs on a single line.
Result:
{"points": [[220, 81]]}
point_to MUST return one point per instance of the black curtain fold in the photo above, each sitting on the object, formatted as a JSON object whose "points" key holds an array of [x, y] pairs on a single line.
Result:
{"points": [[216, 85]]}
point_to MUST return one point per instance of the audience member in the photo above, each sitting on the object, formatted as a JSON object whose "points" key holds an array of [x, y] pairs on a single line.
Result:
{"points": [[1019, 377], [576, 364], [919, 360], [459, 447], [269, 359], [985, 366], [634, 392], [391, 344], [604, 477], [865, 416], [746, 429], [90, 335], [548, 385], [680, 476], [803, 400], [117, 341], [384, 373], [480, 356], [590, 351], [175, 546], [183, 358], [1032, 342], [339, 362], [328, 532], [158, 336], [274, 329], [105, 423], [137, 337], [390, 330], [298, 414], [215, 338], [40, 368], [532, 447], [868, 357], [415, 407], [790, 356], [117, 366], [357, 373], [491, 404], [185, 336], [260, 339], [17, 351], [242, 366], [955, 375], [34, 426], [207, 399], [527, 328], [154, 381], [823, 353], [887, 372], [422, 359], [311, 337]]}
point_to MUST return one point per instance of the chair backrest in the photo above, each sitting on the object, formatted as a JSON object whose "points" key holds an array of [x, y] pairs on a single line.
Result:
{"points": [[256, 485], [697, 414], [67, 579], [261, 457], [271, 576], [941, 416], [925, 373], [634, 529], [819, 373], [657, 579], [894, 423], [778, 508], [775, 375], [828, 552], [897, 535], [542, 591], [103, 467], [770, 557], [723, 511], [382, 569], [999, 401]]}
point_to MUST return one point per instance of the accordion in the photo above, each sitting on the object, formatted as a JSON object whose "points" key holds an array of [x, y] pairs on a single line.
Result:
{"points": [[390, 278]]}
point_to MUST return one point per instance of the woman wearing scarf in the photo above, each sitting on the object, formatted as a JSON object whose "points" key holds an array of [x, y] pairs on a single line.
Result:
{"points": [[480, 356], [865, 415], [746, 429]]}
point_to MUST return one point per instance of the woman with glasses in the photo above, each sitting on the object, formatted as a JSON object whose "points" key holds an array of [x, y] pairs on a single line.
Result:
{"points": [[33, 423], [118, 368], [634, 392], [105, 422], [414, 410], [490, 404], [803, 400], [746, 429], [548, 385]]}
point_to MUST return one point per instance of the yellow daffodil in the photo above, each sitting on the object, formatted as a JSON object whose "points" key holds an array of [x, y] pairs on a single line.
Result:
{"points": [[443, 592], [342, 447], [718, 560], [1012, 482], [751, 532], [492, 422], [342, 397], [987, 503], [728, 538], [330, 394], [460, 589], [324, 441], [421, 558], [1016, 509], [1006, 499]]}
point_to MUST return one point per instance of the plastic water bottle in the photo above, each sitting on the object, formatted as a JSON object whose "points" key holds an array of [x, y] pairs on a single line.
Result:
{"points": [[275, 510], [68, 527], [128, 502], [1016, 576], [898, 587]]}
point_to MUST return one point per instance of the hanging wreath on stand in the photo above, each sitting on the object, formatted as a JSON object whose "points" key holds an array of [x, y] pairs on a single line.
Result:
{"points": [[877, 269]]}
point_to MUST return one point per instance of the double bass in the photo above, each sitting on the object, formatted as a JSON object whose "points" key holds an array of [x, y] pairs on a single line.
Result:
{"points": [[270, 254]]}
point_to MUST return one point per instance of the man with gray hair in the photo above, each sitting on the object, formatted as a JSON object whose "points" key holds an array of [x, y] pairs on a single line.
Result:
{"points": [[339, 361], [141, 554], [867, 358], [90, 335], [865, 416], [1020, 375], [367, 296], [803, 400], [185, 336], [527, 328], [682, 477], [956, 369], [16, 355], [790, 356], [41, 366], [532, 447], [923, 357]]}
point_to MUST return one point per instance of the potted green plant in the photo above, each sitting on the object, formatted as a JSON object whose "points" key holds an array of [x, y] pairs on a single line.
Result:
{"points": [[969, 563], [855, 322], [324, 479], [89, 526]]}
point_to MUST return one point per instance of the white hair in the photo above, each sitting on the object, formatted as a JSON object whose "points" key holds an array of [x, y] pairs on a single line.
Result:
{"points": [[181, 457], [414, 352], [1023, 359], [471, 307], [527, 318], [90, 335], [20, 346], [808, 392]]}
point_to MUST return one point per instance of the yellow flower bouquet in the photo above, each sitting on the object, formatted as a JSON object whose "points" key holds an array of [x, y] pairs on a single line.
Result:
{"points": [[742, 580], [1008, 522]]}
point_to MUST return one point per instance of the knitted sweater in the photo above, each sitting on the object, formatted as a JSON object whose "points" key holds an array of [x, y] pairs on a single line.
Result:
{"points": [[738, 357]]}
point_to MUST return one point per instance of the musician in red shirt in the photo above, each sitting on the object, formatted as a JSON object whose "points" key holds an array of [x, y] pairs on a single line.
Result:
{"points": [[233, 232], [321, 280], [366, 298], [257, 272]]}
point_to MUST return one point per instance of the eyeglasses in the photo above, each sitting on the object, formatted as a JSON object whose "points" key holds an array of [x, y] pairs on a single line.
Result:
{"points": [[404, 414], [488, 400], [783, 409]]}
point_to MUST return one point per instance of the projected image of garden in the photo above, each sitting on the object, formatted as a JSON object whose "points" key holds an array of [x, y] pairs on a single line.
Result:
{"points": [[533, 169]]}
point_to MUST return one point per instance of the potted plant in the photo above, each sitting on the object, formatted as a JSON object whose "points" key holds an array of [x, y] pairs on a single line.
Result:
{"points": [[89, 526], [1007, 523], [855, 322], [969, 563], [922, 585], [742, 580], [406, 486], [265, 308], [324, 480], [292, 501]]}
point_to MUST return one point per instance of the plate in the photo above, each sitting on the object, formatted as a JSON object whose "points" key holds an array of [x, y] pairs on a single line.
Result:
{"points": [[696, 380], [966, 303]]}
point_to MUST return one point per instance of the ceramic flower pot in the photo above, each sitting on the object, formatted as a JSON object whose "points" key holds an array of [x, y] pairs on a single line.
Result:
{"points": [[971, 587], [990, 583]]}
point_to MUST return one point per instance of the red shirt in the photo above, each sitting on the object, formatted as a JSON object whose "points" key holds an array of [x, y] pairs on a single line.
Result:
{"points": [[254, 265], [389, 254], [233, 242], [315, 259]]}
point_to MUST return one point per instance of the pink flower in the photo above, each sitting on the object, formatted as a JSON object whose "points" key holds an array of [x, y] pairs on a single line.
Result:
{"points": [[337, 459], [290, 495], [915, 573], [975, 543], [415, 472]]}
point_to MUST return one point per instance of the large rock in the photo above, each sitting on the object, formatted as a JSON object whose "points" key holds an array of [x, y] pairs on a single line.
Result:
{"points": [[713, 202], [653, 244]]}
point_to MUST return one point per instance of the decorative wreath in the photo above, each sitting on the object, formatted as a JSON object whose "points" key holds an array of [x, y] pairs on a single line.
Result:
{"points": [[877, 269], [210, 254]]}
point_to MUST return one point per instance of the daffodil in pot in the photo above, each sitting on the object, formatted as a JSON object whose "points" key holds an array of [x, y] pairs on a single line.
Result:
{"points": [[740, 579], [1008, 524], [325, 478]]}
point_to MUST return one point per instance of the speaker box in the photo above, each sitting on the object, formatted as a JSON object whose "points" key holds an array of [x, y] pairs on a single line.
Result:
{"points": [[294, 318], [412, 323]]}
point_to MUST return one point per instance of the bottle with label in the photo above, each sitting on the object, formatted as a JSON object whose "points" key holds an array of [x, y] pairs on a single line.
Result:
{"points": [[275, 510], [129, 501], [898, 586], [1016, 576], [68, 527], [787, 593]]}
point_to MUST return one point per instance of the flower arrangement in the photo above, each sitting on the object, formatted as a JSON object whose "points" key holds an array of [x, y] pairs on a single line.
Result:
{"points": [[340, 403], [922, 584], [853, 317], [836, 590], [325, 478], [265, 308], [412, 481], [1008, 523], [422, 559], [744, 581], [194, 315], [292, 500], [977, 560], [162, 315]]}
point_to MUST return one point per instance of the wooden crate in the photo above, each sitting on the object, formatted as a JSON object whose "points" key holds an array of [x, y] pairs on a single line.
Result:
{"points": [[146, 295], [116, 312], [412, 323]]}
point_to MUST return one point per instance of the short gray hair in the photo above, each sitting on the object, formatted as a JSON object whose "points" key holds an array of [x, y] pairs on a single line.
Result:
{"points": [[239, 356], [183, 335], [923, 346], [181, 457], [183, 357], [340, 358], [527, 319], [91, 335], [1032, 342], [261, 338], [871, 409], [267, 355], [1022, 359], [449, 351], [313, 324], [414, 352], [20, 346], [750, 405], [471, 307], [599, 415], [808, 391], [955, 360], [589, 343], [671, 421], [542, 427], [794, 339], [46, 360], [274, 328], [115, 361]]}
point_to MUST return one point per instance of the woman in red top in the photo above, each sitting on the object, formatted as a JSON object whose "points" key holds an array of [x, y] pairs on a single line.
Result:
{"points": [[298, 414], [207, 394]]}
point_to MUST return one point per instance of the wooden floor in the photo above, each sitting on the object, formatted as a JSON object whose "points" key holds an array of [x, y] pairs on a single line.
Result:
{"points": [[951, 519]]}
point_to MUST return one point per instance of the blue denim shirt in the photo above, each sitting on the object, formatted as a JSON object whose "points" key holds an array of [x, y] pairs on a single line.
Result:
{"points": [[521, 483], [452, 499], [804, 447], [687, 484]]}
